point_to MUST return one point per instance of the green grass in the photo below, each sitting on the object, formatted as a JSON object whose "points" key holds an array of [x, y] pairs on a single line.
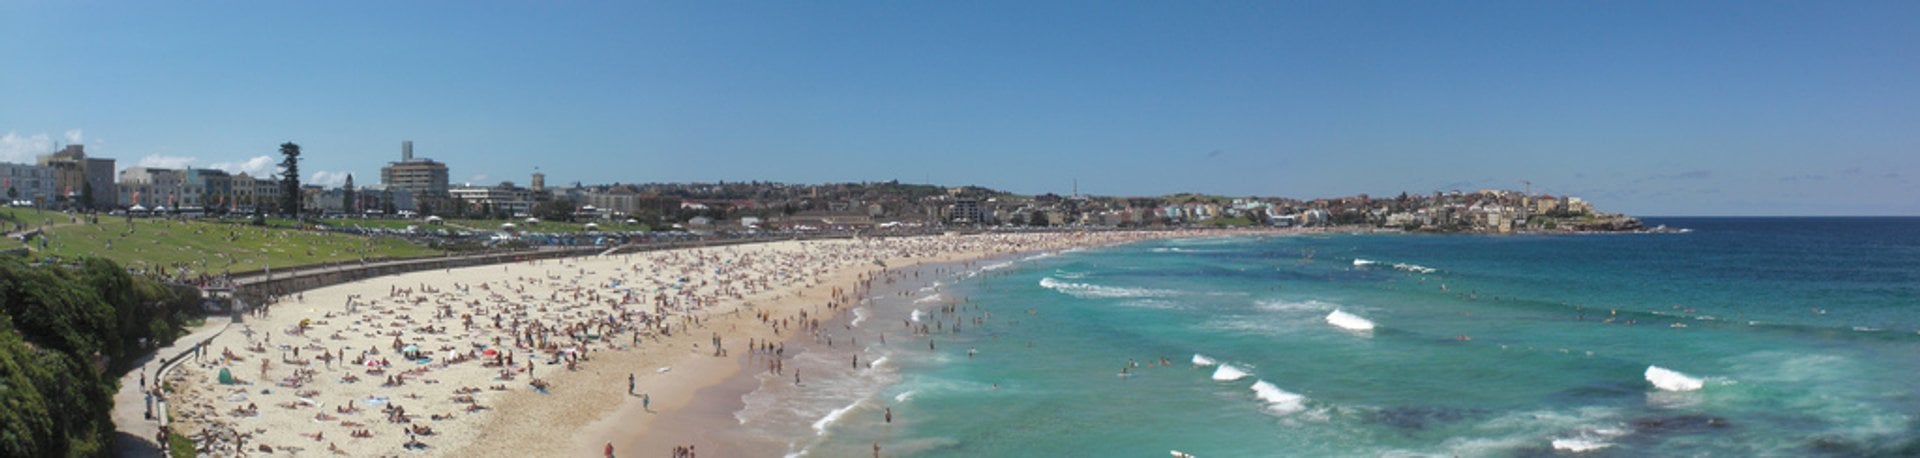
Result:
{"points": [[30, 217], [181, 446], [211, 247], [1234, 221]]}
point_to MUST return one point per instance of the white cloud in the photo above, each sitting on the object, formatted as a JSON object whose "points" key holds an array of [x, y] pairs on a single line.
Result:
{"points": [[477, 179], [327, 179], [74, 137], [167, 162], [22, 148], [259, 166]]}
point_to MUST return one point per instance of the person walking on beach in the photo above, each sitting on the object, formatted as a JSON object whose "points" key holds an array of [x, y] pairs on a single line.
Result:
{"points": [[646, 402], [629, 384]]}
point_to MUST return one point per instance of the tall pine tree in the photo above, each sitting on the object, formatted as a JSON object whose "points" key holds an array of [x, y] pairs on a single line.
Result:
{"points": [[290, 180]]}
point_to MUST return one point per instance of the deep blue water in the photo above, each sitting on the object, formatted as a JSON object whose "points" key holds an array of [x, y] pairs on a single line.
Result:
{"points": [[1803, 335]]}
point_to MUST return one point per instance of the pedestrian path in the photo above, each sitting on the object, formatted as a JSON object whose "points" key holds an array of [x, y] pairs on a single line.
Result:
{"points": [[138, 435]]}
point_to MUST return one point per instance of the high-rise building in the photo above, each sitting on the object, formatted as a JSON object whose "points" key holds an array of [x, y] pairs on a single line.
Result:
{"points": [[539, 182], [422, 177]]}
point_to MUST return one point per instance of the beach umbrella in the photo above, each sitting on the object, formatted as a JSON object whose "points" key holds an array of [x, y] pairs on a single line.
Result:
{"points": [[226, 378], [490, 352], [373, 363], [411, 348]]}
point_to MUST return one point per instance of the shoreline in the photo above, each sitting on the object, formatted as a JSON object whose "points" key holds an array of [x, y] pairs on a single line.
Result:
{"points": [[714, 421], [591, 307], [711, 424]]}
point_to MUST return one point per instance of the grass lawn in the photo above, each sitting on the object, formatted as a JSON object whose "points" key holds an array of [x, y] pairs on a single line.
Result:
{"points": [[216, 247], [31, 217]]}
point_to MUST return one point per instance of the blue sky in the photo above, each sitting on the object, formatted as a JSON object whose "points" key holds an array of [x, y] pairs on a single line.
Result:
{"points": [[1652, 108]]}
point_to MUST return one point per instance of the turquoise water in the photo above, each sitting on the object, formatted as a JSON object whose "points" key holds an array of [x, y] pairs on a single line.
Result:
{"points": [[1802, 335]]}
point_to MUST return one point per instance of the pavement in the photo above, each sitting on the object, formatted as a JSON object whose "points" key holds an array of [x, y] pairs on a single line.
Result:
{"points": [[136, 435]]}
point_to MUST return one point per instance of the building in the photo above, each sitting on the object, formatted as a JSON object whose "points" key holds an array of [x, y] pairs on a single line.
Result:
{"points": [[151, 187], [213, 189], [422, 177], [74, 174], [251, 193], [27, 182], [504, 198], [966, 210]]}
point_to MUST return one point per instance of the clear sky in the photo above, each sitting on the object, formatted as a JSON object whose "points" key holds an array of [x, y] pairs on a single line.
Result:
{"points": [[1652, 108]]}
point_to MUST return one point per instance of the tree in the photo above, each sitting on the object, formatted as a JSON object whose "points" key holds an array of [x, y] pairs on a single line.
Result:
{"points": [[86, 195], [386, 202], [12, 193], [347, 200], [290, 179], [555, 210]]}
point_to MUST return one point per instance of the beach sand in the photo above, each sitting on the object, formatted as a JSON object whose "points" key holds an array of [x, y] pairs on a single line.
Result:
{"points": [[675, 303]]}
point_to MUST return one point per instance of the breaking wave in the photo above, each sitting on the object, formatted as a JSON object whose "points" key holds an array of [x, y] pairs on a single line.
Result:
{"points": [[1349, 321], [1090, 291], [1670, 380]]}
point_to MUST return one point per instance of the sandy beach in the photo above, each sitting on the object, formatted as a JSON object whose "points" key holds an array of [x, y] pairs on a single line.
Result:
{"points": [[532, 358]]}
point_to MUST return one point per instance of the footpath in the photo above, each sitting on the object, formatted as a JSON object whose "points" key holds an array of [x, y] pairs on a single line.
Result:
{"points": [[138, 433]]}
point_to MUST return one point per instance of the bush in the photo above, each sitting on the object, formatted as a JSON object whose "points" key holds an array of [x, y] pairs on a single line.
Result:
{"points": [[64, 332]]}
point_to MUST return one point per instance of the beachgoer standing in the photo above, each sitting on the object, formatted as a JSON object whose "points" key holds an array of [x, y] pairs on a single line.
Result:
{"points": [[646, 402], [629, 384]]}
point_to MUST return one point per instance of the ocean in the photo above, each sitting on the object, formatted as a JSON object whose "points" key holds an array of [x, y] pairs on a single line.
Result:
{"points": [[1741, 337]]}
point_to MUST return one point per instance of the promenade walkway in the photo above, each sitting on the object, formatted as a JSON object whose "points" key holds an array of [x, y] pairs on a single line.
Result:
{"points": [[138, 435]]}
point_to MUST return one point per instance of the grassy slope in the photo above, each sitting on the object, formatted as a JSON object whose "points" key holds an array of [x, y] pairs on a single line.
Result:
{"points": [[217, 247]]}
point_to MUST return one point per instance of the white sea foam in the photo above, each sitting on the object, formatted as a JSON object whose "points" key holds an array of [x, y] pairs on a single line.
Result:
{"points": [[1089, 291], [1037, 257], [1285, 306], [1349, 321], [935, 297], [820, 426], [1203, 360], [1415, 268], [1587, 438], [916, 315], [859, 316], [1670, 380], [1579, 445], [1278, 401], [997, 266], [903, 396], [1357, 262], [1228, 373]]}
